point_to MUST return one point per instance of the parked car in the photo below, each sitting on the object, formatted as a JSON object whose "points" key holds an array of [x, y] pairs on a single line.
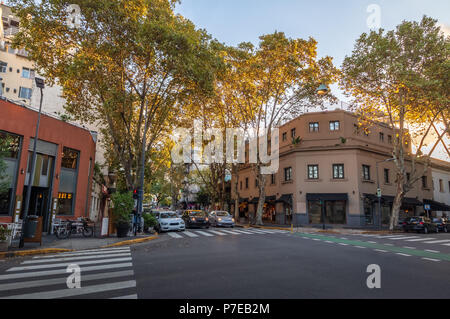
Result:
{"points": [[196, 218], [419, 224], [441, 224], [168, 221], [221, 219]]}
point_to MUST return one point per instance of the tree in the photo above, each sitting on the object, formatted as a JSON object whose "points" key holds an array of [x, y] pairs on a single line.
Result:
{"points": [[128, 66], [400, 77], [273, 83]]}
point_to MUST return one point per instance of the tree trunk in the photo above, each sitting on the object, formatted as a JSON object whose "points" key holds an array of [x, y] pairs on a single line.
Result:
{"points": [[236, 193], [397, 203], [262, 198]]}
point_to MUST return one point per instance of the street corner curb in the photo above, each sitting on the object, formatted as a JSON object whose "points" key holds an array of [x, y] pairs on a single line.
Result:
{"points": [[242, 226], [31, 252], [132, 241]]}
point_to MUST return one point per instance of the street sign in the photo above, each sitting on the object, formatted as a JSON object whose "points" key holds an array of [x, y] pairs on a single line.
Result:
{"points": [[379, 192], [427, 207]]}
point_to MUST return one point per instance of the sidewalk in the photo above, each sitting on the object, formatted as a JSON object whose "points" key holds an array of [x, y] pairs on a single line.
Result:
{"points": [[51, 244]]}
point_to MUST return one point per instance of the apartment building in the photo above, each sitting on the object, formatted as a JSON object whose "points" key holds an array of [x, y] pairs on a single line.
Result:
{"points": [[440, 172], [17, 74], [328, 174]]}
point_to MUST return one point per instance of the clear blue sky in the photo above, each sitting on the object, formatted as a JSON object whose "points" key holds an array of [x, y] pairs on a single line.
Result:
{"points": [[335, 24]]}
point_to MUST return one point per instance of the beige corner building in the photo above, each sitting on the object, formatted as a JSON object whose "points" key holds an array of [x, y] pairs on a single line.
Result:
{"points": [[329, 175]]}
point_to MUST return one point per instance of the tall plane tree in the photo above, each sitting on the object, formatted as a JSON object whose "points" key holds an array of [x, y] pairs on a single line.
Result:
{"points": [[400, 77], [128, 65]]}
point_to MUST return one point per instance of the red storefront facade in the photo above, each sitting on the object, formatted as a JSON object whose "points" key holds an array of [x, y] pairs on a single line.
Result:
{"points": [[64, 165]]}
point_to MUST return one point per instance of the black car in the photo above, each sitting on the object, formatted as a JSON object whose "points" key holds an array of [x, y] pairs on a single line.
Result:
{"points": [[440, 224], [419, 224], [196, 218]]}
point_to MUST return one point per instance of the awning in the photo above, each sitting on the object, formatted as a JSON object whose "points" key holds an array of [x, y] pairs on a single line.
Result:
{"points": [[243, 200], [390, 199], [285, 198], [254, 200], [436, 206], [326, 196], [270, 198]]}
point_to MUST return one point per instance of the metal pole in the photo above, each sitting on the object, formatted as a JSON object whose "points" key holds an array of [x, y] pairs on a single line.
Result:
{"points": [[379, 198], [142, 171], [31, 177]]}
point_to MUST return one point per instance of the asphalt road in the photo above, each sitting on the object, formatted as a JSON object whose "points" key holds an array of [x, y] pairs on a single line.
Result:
{"points": [[240, 263], [283, 265]]}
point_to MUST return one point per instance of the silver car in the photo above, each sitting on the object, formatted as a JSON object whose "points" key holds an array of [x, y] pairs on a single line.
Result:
{"points": [[221, 219]]}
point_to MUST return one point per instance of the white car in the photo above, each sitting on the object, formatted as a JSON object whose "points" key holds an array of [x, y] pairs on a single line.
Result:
{"points": [[168, 221], [221, 219]]}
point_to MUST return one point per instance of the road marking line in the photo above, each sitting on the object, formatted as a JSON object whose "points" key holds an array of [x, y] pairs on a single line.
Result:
{"points": [[41, 261], [231, 232], [381, 250], [388, 244], [173, 235], [90, 262], [75, 292], [126, 297], [244, 232], [216, 233], [343, 244], [359, 247], [446, 244], [421, 239], [316, 239], [204, 233], [329, 242], [389, 237], [432, 251], [430, 259], [189, 234], [409, 247], [62, 280], [372, 242], [62, 271], [402, 238], [344, 238], [84, 252], [406, 255], [437, 241]]}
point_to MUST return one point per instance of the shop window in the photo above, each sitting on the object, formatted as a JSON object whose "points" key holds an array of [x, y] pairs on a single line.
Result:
{"points": [[3, 66], [68, 181], [9, 161], [313, 171], [65, 203]]}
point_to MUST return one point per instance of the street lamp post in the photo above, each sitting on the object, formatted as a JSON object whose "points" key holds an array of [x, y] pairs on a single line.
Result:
{"points": [[40, 84], [142, 174], [379, 190]]}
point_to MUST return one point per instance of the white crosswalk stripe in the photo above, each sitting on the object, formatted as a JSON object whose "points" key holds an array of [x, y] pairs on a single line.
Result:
{"points": [[189, 234], [438, 241], [204, 233], [403, 238], [225, 232], [174, 235], [104, 272], [420, 239]]}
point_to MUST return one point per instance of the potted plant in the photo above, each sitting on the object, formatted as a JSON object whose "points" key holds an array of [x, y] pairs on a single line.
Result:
{"points": [[4, 234], [123, 206], [150, 222]]}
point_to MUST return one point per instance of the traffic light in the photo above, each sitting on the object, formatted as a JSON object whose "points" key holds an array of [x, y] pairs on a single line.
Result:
{"points": [[136, 193]]}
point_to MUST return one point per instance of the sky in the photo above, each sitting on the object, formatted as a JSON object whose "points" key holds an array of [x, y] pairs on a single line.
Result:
{"points": [[335, 24]]}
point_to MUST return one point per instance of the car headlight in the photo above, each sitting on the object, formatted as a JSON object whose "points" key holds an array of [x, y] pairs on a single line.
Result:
{"points": [[232, 219], [220, 219], [206, 218], [193, 219]]}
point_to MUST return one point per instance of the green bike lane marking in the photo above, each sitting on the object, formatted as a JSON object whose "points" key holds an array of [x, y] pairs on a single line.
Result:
{"points": [[409, 251]]}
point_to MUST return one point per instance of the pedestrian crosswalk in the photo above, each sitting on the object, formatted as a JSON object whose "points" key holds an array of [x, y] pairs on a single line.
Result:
{"points": [[223, 232], [410, 239], [101, 273]]}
